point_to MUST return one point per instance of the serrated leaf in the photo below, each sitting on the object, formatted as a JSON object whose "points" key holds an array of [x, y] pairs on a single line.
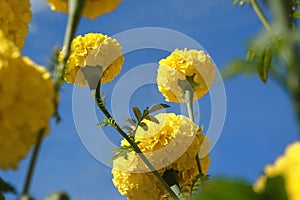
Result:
{"points": [[265, 65], [131, 121], [152, 119], [6, 187], [158, 107], [137, 113], [144, 126], [296, 14]]}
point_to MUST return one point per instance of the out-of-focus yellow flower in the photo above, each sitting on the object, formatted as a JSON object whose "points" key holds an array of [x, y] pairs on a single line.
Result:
{"points": [[94, 50], [15, 16], [92, 9], [26, 103], [171, 144], [288, 166], [193, 66]]}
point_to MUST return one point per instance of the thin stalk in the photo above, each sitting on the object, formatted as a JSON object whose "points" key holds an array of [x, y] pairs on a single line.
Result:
{"points": [[260, 14], [189, 98], [74, 15], [33, 162], [131, 142]]}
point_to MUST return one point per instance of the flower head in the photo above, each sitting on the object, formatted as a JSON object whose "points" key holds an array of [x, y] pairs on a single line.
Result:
{"points": [[92, 9], [26, 103], [15, 16], [191, 67], [287, 165], [171, 144], [94, 50]]}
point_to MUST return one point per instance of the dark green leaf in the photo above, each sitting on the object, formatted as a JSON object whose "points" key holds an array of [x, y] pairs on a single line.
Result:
{"points": [[58, 196], [152, 119], [146, 112], [1, 196], [275, 189], [131, 121], [6, 187], [158, 107], [265, 65], [144, 126], [296, 14], [129, 128], [137, 113], [225, 189]]}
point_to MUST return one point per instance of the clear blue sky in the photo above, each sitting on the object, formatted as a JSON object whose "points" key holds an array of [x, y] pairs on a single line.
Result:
{"points": [[260, 120]]}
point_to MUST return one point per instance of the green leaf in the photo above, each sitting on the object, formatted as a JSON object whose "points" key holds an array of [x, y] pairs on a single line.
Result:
{"points": [[235, 2], [146, 112], [265, 64], [296, 14], [6, 187], [26, 197], [129, 128], [131, 121], [137, 113], [121, 152], [238, 67], [152, 119], [60, 195], [250, 55], [275, 189], [158, 107], [107, 122], [225, 189], [144, 126]]}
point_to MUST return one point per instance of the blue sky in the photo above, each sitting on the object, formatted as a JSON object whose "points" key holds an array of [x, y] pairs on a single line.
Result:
{"points": [[260, 120]]}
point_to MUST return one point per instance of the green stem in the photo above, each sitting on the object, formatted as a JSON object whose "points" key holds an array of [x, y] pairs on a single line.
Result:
{"points": [[189, 98], [74, 15], [33, 162], [260, 14], [131, 142]]}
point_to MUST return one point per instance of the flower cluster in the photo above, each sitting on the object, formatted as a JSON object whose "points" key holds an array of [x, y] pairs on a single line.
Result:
{"points": [[171, 144], [93, 50], [15, 16], [288, 166], [26, 103], [192, 66], [93, 8]]}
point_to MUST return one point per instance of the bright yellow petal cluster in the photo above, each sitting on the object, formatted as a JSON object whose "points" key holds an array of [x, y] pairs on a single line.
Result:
{"points": [[15, 16], [180, 65], [94, 49], [288, 166], [171, 144], [26, 103], [93, 8]]}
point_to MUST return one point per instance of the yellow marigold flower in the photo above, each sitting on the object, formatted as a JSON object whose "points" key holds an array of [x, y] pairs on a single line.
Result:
{"points": [[94, 50], [288, 166], [193, 66], [92, 9], [171, 144], [15, 16], [26, 103]]}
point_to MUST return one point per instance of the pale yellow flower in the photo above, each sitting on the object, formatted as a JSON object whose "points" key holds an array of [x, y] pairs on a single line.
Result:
{"points": [[191, 65], [287, 165], [26, 103], [15, 16], [92, 9], [94, 50], [171, 144]]}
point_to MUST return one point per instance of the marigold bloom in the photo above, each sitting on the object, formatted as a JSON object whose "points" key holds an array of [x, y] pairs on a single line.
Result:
{"points": [[193, 66], [15, 16], [94, 50], [26, 103], [171, 144], [92, 9], [287, 165]]}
